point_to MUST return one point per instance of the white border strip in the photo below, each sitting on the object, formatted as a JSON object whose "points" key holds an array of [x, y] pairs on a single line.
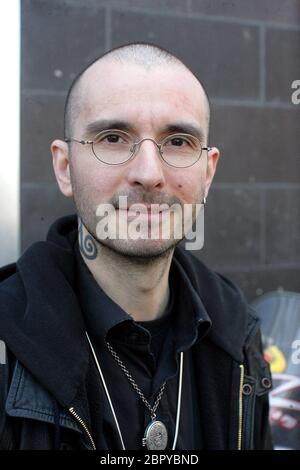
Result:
{"points": [[10, 131]]}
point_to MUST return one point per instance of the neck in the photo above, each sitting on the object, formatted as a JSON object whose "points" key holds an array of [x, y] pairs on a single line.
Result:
{"points": [[139, 285]]}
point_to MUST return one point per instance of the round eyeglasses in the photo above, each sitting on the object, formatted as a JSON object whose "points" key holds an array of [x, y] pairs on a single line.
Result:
{"points": [[115, 147]]}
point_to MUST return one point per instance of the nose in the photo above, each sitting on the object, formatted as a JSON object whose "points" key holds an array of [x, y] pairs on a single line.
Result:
{"points": [[146, 168]]}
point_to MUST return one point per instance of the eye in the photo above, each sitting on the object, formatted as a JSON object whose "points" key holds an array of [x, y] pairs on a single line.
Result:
{"points": [[111, 138], [178, 141]]}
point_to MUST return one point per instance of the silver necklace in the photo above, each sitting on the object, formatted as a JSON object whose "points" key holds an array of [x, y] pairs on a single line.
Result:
{"points": [[156, 435]]}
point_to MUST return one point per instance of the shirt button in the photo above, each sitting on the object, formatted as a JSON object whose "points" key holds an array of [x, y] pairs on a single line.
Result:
{"points": [[133, 337]]}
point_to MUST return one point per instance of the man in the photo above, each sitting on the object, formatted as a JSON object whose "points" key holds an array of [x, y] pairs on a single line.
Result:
{"points": [[123, 342]]}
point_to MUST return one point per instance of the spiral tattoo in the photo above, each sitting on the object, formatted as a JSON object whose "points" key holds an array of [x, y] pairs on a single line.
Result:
{"points": [[87, 244]]}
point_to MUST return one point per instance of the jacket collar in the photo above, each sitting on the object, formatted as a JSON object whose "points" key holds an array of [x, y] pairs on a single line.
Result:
{"points": [[56, 350], [224, 304]]}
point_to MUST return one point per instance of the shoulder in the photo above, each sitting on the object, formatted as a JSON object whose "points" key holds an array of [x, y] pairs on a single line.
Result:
{"points": [[12, 293], [13, 304], [7, 363]]}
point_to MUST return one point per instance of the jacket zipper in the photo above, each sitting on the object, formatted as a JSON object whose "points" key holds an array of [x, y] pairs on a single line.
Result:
{"points": [[83, 425], [241, 408]]}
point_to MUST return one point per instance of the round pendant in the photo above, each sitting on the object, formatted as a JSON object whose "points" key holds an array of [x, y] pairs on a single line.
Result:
{"points": [[156, 436]]}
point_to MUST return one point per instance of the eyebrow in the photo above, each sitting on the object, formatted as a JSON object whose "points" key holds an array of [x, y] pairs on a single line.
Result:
{"points": [[99, 125], [186, 128]]}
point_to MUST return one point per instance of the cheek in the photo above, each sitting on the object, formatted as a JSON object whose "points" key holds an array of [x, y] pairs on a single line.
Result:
{"points": [[189, 187], [97, 181], [102, 183]]}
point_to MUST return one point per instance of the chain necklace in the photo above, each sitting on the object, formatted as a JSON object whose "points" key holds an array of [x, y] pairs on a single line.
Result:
{"points": [[156, 435], [135, 386]]}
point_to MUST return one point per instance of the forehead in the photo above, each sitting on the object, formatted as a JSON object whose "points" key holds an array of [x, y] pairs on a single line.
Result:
{"points": [[150, 96]]}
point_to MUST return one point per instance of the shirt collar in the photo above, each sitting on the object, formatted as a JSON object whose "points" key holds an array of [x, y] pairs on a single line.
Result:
{"points": [[93, 299], [190, 323]]}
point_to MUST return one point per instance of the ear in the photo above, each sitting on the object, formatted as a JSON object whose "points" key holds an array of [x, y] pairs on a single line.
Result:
{"points": [[61, 165], [212, 160]]}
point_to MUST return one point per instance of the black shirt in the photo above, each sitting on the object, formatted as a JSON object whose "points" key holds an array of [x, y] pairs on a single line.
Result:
{"points": [[150, 351]]}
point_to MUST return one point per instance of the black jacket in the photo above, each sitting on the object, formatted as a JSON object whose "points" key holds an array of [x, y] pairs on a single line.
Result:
{"points": [[42, 382]]}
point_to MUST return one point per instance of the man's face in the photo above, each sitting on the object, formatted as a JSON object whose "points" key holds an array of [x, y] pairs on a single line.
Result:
{"points": [[148, 101]]}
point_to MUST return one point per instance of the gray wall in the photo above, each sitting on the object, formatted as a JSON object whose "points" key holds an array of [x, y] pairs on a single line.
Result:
{"points": [[246, 52]]}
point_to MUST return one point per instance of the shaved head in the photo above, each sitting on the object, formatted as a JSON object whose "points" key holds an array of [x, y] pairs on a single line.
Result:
{"points": [[145, 55]]}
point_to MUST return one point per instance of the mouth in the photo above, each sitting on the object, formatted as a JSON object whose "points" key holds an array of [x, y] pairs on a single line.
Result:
{"points": [[144, 209], [144, 212]]}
